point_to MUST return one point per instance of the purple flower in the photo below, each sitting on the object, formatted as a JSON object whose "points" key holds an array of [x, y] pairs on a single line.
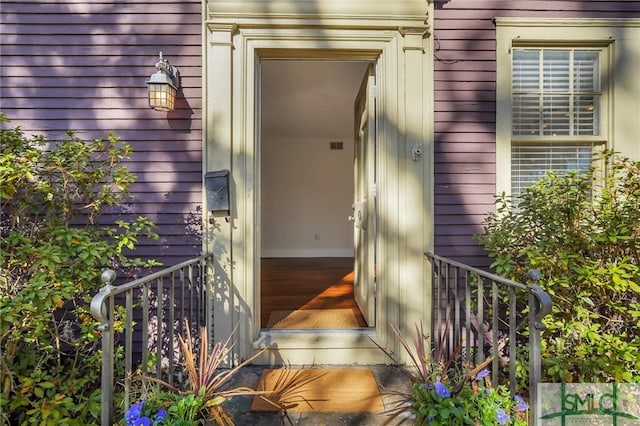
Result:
{"points": [[142, 421], [482, 374], [520, 404], [501, 416], [161, 415], [134, 412], [442, 390]]}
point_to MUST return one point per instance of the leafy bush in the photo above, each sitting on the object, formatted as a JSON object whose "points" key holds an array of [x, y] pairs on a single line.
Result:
{"points": [[51, 255], [207, 390], [582, 231], [448, 392]]}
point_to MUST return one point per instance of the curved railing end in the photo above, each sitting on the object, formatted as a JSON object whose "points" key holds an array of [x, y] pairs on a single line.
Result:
{"points": [[98, 307]]}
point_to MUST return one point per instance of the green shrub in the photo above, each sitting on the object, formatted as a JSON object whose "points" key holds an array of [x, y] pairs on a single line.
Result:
{"points": [[207, 390], [51, 255], [447, 391], [582, 231]]}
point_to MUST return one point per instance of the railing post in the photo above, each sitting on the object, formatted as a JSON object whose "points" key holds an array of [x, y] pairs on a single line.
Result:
{"points": [[539, 306], [102, 310]]}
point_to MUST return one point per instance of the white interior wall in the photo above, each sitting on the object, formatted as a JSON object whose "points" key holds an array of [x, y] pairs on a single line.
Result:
{"points": [[307, 188]]}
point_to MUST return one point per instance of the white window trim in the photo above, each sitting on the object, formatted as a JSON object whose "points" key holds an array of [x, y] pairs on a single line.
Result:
{"points": [[620, 115]]}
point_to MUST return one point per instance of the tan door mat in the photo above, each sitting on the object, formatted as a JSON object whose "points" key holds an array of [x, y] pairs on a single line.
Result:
{"points": [[313, 318], [321, 390]]}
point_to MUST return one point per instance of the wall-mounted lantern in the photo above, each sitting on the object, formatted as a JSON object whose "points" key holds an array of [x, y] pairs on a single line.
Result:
{"points": [[163, 85]]}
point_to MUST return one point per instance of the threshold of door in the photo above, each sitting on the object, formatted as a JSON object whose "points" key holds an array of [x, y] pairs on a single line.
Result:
{"points": [[303, 337], [312, 347], [360, 346]]}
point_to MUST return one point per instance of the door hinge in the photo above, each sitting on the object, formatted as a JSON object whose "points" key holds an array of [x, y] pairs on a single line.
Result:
{"points": [[375, 288], [374, 190]]}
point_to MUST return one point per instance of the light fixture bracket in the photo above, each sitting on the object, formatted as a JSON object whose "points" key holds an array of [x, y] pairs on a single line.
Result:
{"points": [[163, 66]]}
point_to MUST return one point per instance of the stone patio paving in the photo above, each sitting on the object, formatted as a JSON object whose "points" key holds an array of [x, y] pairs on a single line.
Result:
{"points": [[389, 378]]}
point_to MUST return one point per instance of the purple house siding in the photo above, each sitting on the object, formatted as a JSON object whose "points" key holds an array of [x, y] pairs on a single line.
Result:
{"points": [[465, 107], [83, 66]]}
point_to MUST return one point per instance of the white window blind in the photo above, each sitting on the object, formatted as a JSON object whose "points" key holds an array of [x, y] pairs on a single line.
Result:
{"points": [[556, 108], [530, 162]]}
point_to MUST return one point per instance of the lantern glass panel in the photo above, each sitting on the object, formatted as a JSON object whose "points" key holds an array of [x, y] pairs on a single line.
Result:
{"points": [[161, 96]]}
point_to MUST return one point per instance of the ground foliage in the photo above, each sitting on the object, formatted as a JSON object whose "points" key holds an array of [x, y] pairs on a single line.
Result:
{"points": [[53, 249], [582, 231], [202, 400], [447, 390]]}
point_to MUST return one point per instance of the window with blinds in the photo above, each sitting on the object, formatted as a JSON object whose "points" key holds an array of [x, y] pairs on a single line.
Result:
{"points": [[530, 162], [556, 112]]}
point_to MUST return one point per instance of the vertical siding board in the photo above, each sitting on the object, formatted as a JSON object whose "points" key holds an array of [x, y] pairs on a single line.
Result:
{"points": [[83, 65], [464, 82]]}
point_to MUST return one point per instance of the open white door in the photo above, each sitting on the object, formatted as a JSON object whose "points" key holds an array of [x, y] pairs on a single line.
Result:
{"points": [[364, 206]]}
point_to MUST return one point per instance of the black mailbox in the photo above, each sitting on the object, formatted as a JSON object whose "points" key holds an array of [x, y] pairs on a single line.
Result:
{"points": [[217, 187]]}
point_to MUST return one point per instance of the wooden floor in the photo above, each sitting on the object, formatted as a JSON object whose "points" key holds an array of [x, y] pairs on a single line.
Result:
{"points": [[307, 283]]}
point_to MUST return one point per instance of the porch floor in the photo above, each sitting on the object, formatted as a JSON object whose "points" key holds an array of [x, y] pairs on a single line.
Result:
{"points": [[389, 378], [307, 283]]}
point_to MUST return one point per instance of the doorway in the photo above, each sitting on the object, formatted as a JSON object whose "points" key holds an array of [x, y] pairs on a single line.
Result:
{"points": [[309, 239], [238, 45]]}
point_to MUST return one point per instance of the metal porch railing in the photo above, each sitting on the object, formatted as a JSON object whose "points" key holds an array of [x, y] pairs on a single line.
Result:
{"points": [[480, 315], [145, 317], [477, 311]]}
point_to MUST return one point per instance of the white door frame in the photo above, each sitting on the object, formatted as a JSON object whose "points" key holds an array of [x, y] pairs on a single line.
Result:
{"points": [[235, 43]]}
